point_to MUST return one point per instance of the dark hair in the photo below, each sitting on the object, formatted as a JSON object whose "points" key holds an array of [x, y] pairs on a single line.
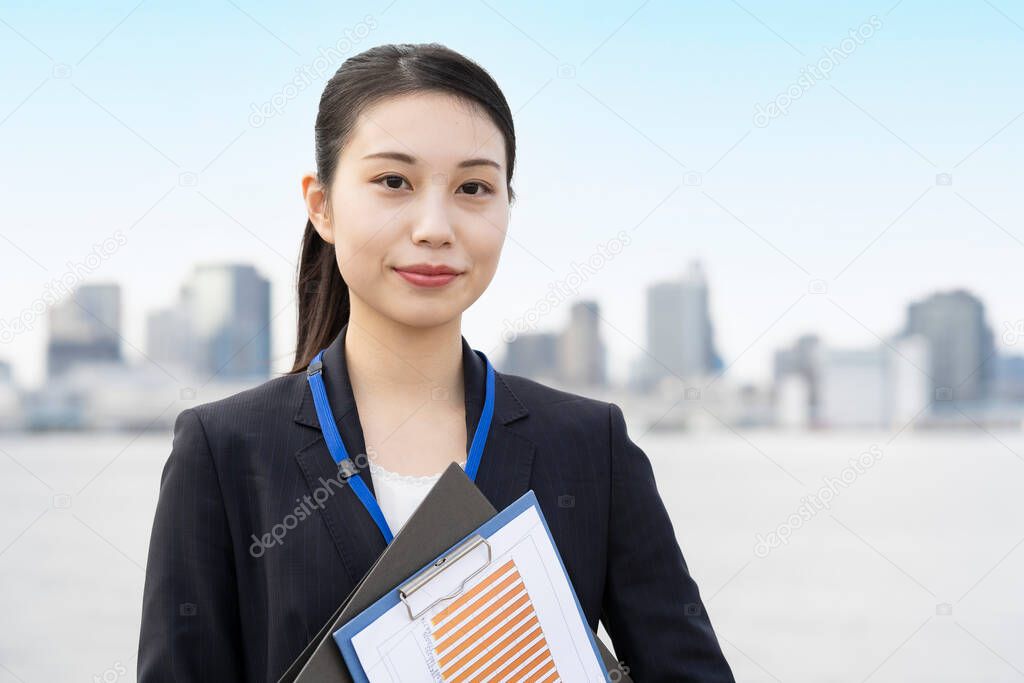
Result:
{"points": [[373, 75]]}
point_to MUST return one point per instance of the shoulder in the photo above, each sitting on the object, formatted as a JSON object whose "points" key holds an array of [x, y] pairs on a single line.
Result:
{"points": [[570, 420], [578, 435], [550, 407], [250, 412]]}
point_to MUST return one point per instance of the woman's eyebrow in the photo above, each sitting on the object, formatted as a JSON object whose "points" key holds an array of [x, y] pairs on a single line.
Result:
{"points": [[412, 161]]}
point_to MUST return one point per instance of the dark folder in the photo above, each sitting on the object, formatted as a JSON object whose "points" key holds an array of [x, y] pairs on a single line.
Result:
{"points": [[453, 508]]}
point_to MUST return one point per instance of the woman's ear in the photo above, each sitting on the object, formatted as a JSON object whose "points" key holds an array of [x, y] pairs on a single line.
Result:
{"points": [[317, 208]]}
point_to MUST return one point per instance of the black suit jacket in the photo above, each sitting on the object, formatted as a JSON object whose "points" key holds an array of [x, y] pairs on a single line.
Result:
{"points": [[255, 543]]}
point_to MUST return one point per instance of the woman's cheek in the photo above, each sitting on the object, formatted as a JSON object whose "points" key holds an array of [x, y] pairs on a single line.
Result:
{"points": [[353, 263]]}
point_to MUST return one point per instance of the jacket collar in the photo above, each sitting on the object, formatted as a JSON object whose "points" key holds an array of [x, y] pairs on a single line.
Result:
{"points": [[503, 476], [507, 406]]}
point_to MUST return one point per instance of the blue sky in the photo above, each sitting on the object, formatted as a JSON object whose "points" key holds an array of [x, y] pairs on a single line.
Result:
{"points": [[650, 122]]}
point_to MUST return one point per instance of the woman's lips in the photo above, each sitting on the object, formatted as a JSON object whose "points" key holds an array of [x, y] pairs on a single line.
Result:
{"points": [[421, 280]]}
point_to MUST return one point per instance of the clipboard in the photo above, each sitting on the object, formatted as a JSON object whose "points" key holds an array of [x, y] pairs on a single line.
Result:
{"points": [[407, 590], [449, 574], [453, 508]]}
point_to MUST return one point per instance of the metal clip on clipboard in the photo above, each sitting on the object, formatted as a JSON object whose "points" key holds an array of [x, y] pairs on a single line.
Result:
{"points": [[410, 587]]}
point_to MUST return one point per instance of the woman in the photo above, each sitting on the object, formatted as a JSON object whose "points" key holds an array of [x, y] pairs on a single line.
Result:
{"points": [[255, 544]]}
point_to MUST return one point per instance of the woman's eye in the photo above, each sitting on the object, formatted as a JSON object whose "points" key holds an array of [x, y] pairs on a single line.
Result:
{"points": [[476, 188], [393, 182]]}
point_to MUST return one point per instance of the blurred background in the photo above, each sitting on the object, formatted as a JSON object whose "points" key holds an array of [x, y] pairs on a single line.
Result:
{"points": [[783, 238]]}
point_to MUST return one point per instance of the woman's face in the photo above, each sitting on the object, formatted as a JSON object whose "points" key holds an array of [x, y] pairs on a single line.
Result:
{"points": [[421, 181]]}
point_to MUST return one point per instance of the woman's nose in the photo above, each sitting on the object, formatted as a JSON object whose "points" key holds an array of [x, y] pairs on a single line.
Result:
{"points": [[432, 220]]}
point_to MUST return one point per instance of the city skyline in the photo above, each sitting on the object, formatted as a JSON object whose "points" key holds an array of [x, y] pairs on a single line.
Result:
{"points": [[161, 321], [1005, 338], [877, 193], [215, 336]]}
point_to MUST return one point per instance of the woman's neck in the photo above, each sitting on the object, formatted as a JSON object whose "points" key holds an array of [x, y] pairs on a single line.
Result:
{"points": [[392, 361]]}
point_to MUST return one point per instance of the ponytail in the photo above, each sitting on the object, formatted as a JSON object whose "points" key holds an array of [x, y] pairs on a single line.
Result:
{"points": [[322, 298]]}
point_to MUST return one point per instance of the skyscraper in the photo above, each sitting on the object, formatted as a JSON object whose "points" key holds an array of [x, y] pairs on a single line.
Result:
{"points": [[533, 355], [582, 353], [960, 341], [679, 330], [228, 311], [85, 327], [169, 337]]}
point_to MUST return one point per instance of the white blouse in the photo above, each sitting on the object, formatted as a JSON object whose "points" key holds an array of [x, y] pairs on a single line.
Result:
{"points": [[400, 494]]}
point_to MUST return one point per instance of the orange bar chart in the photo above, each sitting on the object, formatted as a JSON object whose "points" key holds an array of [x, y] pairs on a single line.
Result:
{"points": [[472, 636]]}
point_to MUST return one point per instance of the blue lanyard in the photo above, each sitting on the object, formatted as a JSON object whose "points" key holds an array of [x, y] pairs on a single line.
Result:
{"points": [[348, 467]]}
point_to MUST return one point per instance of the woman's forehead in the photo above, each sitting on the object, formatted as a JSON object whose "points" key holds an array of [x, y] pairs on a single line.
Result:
{"points": [[433, 128]]}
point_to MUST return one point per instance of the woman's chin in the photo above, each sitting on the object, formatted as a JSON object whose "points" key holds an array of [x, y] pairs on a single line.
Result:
{"points": [[425, 315]]}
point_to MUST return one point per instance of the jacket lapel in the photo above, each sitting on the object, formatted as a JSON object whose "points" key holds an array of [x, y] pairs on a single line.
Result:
{"points": [[503, 476]]}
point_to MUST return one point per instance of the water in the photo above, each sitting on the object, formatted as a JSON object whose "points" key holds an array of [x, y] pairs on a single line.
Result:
{"points": [[914, 574]]}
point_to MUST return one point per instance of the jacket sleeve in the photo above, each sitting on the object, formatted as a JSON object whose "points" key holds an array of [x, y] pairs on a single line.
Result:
{"points": [[190, 625], [651, 609]]}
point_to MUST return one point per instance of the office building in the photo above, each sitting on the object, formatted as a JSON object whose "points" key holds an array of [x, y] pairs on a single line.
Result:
{"points": [[680, 336], [960, 341], [228, 311], [581, 349], [85, 327]]}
